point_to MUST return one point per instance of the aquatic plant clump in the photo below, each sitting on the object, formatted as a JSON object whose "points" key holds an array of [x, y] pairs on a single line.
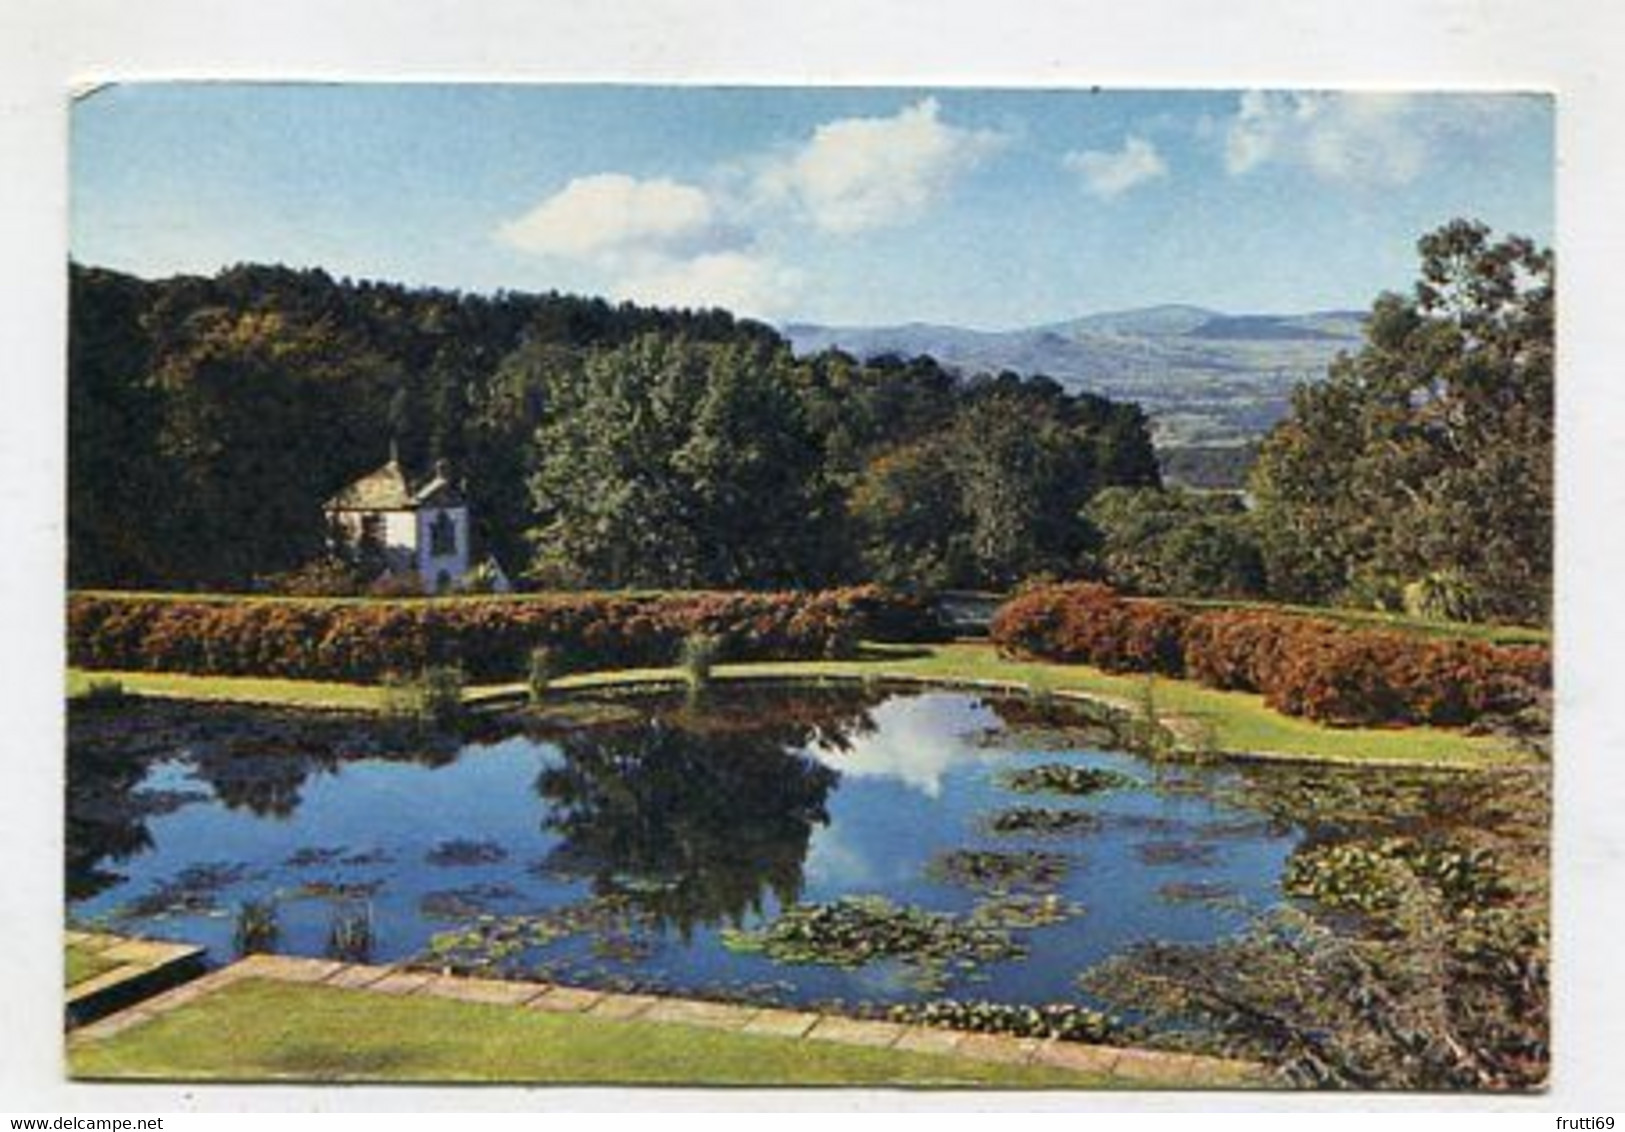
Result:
{"points": [[858, 930], [1061, 778], [191, 891], [1371, 877], [257, 928], [1042, 820], [460, 851], [486, 942], [350, 935], [311, 856], [1061, 1020], [338, 890], [1015, 911], [991, 870], [1197, 892], [1173, 852], [464, 903]]}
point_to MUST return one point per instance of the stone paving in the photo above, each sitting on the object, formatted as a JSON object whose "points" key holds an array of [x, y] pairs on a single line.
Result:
{"points": [[1132, 1067], [140, 966]]}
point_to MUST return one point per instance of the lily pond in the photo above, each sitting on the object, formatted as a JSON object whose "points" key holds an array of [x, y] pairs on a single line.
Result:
{"points": [[789, 845]]}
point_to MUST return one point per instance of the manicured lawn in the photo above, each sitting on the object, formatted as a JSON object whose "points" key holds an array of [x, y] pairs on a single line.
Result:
{"points": [[81, 964], [259, 1029], [1233, 721], [238, 689]]}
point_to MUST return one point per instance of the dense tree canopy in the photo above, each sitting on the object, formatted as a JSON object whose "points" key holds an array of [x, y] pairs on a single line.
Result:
{"points": [[669, 463], [608, 445], [602, 445], [1177, 543], [1425, 460]]}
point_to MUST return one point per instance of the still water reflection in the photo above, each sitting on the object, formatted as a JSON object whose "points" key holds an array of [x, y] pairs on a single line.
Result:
{"points": [[620, 850]]}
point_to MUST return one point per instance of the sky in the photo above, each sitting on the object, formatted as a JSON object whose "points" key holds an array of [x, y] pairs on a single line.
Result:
{"points": [[849, 206]]}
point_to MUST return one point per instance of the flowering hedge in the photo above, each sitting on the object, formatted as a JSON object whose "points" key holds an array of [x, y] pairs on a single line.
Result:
{"points": [[1090, 624], [491, 639], [1304, 666]]}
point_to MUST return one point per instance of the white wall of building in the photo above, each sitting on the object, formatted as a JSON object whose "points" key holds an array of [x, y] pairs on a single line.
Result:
{"points": [[432, 567], [408, 545]]}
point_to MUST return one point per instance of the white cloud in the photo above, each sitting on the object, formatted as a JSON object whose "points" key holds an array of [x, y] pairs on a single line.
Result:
{"points": [[1108, 174], [1363, 138], [861, 173], [666, 242], [608, 216], [658, 241], [753, 285]]}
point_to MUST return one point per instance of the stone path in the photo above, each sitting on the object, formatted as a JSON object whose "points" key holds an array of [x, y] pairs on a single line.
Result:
{"points": [[141, 967], [1131, 1067]]}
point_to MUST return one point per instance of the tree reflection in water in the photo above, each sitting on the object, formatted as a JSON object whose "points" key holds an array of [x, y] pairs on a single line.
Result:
{"points": [[699, 812], [252, 759]]}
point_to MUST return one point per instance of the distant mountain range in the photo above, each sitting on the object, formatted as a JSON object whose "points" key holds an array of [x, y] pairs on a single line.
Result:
{"points": [[1205, 377]]}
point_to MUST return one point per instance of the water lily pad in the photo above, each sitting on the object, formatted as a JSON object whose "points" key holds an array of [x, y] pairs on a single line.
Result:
{"points": [[1064, 778]]}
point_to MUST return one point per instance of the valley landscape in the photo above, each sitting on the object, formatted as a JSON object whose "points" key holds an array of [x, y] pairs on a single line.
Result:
{"points": [[1206, 379]]}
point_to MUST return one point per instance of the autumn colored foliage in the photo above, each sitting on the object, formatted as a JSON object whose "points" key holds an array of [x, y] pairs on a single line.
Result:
{"points": [[491, 639], [1304, 666]]}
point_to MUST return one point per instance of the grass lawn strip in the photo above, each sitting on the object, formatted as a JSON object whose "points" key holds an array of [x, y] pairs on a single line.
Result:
{"points": [[237, 689], [263, 1029], [81, 964]]}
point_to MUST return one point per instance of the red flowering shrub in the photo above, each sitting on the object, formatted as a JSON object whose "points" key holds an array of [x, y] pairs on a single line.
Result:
{"points": [[1244, 649], [1090, 624], [489, 638], [1305, 666]]}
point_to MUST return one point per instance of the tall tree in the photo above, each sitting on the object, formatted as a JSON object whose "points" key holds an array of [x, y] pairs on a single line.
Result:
{"points": [[1177, 542], [1430, 450], [673, 463]]}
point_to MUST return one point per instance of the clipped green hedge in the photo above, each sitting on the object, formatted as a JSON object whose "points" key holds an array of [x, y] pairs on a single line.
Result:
{"points": [[1320, 669], [489, 639]]}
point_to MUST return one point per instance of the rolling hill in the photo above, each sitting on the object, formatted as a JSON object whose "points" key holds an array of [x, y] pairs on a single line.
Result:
{"points": [[1206, 377]]}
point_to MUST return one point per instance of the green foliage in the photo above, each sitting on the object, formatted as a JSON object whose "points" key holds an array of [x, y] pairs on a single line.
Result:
{"points": [[223, 411], [350, 934], [855, 931], [256, 927], [1371, 877], [910, 522], [432, 698], [1177, 542], [481, 579], [540, 673], [1042, 820], [1430, 451], [994, 497], [103, 694], [603, 446], [699, 656], [1443, 595], [1063, 778], [321, 577], [673, 463], [990, 870]]}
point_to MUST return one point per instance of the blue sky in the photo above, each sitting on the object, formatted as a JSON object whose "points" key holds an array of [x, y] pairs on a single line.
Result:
{"points": [[978, 207]]}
